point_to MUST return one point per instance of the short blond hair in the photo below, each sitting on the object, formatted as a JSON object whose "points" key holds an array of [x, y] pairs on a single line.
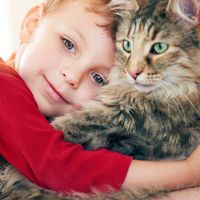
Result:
{"points": [[112, 10]]}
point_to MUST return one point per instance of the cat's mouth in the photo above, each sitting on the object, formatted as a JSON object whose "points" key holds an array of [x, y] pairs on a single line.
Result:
{"points": [[142, 84], [144, 87]]}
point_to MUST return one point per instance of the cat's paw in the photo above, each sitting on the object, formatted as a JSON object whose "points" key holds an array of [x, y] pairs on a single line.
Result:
{"points": [[74, 130]]}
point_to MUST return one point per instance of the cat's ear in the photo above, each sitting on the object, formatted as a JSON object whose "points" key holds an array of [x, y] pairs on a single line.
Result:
{"points": [[188, 10], [123, 8]]}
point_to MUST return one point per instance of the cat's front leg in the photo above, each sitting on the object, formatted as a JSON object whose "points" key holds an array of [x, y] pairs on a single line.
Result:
{"points": [[85, 126]]}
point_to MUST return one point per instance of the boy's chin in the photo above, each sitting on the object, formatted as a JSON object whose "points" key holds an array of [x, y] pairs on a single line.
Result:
{"points": [[55, 113]]}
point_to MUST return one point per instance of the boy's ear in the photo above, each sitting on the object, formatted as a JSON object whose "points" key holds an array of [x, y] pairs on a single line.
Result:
{"points": [[30, 23], [188, 10]]}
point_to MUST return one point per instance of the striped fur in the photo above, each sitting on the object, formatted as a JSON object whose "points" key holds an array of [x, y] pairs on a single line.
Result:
{"points": [[153, 115]]}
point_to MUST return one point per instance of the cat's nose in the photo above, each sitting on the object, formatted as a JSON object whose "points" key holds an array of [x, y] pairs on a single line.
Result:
{"points": [[135, 73]]}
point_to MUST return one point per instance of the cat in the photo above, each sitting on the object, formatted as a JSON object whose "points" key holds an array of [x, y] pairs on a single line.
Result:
{"points": [[150, 107]]}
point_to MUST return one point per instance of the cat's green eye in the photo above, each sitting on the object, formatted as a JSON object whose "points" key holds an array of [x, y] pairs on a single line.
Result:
{"points": [[159, 48], [127, 46]]}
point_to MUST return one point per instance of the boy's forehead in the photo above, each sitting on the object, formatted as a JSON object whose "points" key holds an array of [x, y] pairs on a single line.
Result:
{"points": [[92, 5], [72, 10], [72, 18], [100, 7]]}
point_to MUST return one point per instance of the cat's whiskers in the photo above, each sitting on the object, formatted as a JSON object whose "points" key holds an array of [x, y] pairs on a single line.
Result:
{"points": [[177, 100], [167, 91], [169, 94], [193, 106]]}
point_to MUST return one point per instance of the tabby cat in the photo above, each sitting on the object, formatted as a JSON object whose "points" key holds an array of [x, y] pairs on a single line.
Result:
{"points": [[150, 107]]}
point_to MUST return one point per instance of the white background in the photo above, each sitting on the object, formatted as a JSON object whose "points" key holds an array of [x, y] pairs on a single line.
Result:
{"points": [[11, 15]]}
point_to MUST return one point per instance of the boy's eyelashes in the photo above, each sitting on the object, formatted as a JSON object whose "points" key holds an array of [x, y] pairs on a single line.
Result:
{"points": [[69, 45], [98, 78]]}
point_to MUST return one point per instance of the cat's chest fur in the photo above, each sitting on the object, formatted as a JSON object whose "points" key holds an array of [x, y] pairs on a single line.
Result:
{"points": [[132, 123], [165, 127], [156, 115]]}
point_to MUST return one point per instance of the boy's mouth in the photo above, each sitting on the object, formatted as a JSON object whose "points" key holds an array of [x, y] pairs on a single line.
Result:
{"points": [[58, 95]]}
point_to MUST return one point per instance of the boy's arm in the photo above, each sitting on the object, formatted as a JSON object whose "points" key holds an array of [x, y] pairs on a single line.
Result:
{"points": [[185, 194], [165, 174], [37, 150]]}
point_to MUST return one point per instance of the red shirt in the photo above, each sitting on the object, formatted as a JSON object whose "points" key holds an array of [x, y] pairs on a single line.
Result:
{"points": [[39, 152]]}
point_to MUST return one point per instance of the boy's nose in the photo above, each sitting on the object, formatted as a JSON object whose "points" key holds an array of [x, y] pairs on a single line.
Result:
{"points": [[72, 77]]}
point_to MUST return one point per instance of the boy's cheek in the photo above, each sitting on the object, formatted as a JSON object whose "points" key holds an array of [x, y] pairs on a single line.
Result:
{"points": [[87, 94]]}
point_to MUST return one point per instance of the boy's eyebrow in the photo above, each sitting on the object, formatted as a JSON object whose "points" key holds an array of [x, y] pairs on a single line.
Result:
{"points": [[78, 33]]}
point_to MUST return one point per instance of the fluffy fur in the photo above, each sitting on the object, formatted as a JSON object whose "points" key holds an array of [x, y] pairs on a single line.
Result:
{"points": [[13, 186], [150, 108]]}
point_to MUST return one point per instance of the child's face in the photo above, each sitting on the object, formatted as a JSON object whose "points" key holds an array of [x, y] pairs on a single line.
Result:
{"points": [[66, 57]]}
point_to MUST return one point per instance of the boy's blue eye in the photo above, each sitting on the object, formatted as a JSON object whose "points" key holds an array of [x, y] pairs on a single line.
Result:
{"points": [[98, 79], [69, 45]]}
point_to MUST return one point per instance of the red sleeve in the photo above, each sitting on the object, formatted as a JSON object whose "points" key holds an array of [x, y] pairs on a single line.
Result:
{"points": [[38, 151]]}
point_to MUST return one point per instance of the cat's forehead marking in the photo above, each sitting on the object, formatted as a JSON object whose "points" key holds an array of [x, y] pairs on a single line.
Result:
{"points": [[145, 30], [149, 30], [150, 19]]}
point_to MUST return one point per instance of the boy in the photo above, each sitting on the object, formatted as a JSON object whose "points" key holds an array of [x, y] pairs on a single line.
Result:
{"points": [[66, 53]]}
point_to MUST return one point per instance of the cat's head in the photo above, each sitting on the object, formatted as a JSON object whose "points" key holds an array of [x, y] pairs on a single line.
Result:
{"points": [[159, 47]]}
